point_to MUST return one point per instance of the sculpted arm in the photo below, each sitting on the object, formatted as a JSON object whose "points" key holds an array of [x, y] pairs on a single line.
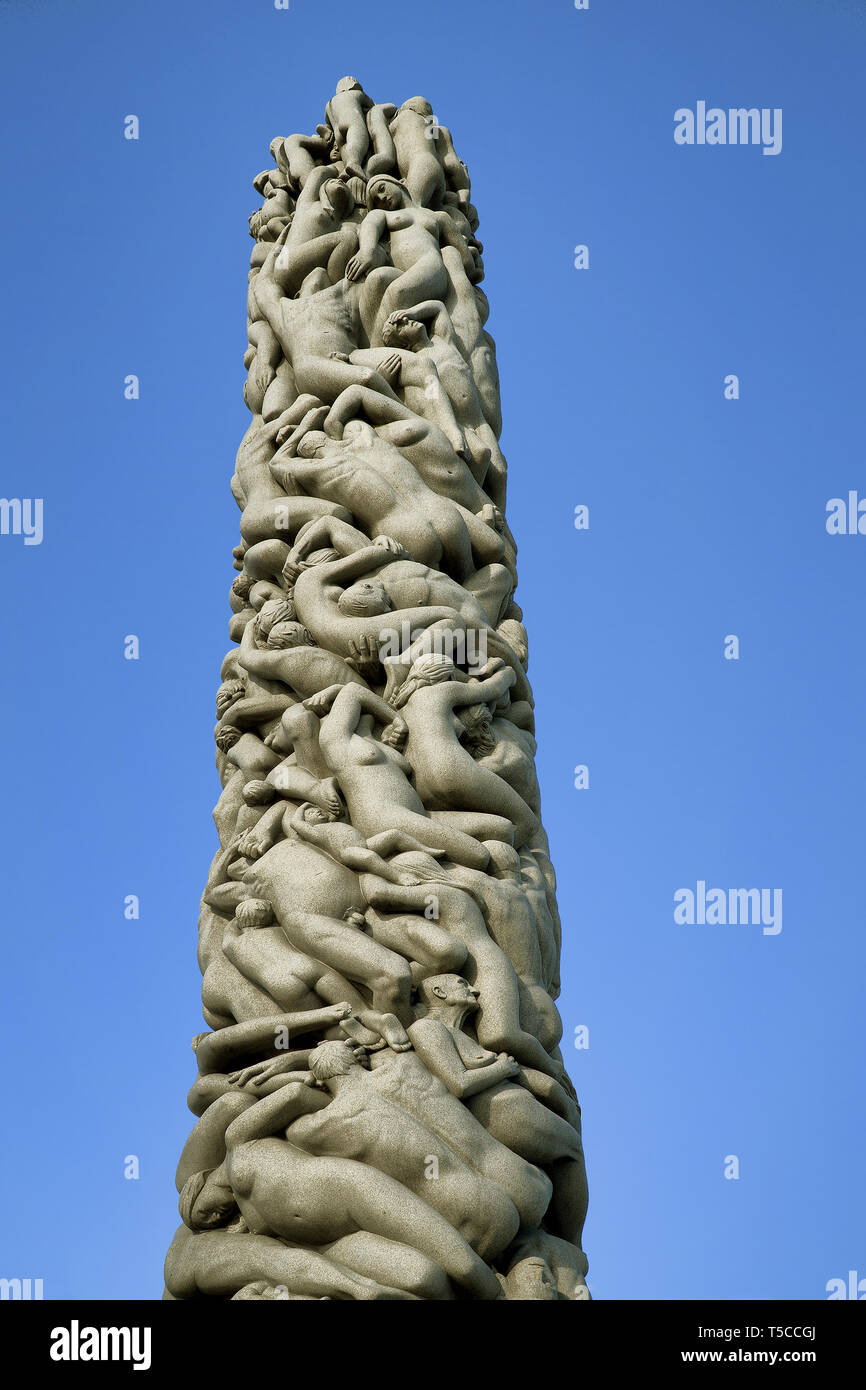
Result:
{"points": [[260, 663], [328, 531], [218, 1050], [449, 236], [275, 1112], [438, 1051], [484, 691], [434, 310], [373, 228], [346, 710]]}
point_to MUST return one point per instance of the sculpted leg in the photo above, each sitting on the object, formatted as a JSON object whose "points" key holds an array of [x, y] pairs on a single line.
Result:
{"points": [[347, 949]]}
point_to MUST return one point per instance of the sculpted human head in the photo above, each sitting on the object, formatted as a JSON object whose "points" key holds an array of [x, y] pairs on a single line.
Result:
{"points": [[448, 989], [337, 194], [321, 557], [419, 104], [273, 611], [227, 737], [254, 912], [430, 669], [284, 636], [331, 1059], [400, 331], [206, 1202], [477, 721], [227, 695], [258, 793], [387, 193], [365, 599], [242, 585]]}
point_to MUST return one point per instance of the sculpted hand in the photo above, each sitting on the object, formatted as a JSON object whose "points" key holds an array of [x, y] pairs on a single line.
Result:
{"points": [[363, 656], [387, 543], [492, 516], [321, 702], [394, 733], [507, 1064], [390, 367], [252, 845], [358, 267], [249, 1078], [490, 668]]}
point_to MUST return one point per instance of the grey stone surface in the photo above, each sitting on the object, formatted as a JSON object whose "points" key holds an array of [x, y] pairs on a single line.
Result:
{"points": [[382, 1108]]}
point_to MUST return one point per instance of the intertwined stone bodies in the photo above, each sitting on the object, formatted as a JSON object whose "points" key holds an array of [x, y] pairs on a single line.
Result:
{"points": [[383, 1111]]}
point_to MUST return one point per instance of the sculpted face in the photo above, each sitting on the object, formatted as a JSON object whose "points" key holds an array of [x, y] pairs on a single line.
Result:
{"points": [[453, 989], [284, 636], [384, 194], [364, 599], [403, 332], [479, 729]]}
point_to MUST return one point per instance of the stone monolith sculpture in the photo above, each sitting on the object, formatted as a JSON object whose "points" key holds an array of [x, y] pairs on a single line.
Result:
{"points": [[382, 1108]]}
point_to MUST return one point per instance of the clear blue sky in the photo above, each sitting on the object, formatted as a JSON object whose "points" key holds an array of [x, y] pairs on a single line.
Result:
{"points": [[707, 518]]}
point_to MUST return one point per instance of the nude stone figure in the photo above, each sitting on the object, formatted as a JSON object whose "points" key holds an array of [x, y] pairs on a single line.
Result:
{"points": [[415, 237], [507, 1110], [374, 778], [446, 774], [346, 114], [319, 237], [300, 1196], [406, 328], [375, 482]]}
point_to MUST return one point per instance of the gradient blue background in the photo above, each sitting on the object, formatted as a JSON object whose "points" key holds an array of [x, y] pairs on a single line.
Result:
{"points": [[707, 518]]}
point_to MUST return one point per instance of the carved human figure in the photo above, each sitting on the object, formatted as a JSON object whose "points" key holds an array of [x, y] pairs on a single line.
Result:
{"points": [[416, 236], [291, 657], [446, 774], [284, 1190], [374, 778], [406, 328], [500, 1096], [371, 478], [346, 113], [481, 600]]}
